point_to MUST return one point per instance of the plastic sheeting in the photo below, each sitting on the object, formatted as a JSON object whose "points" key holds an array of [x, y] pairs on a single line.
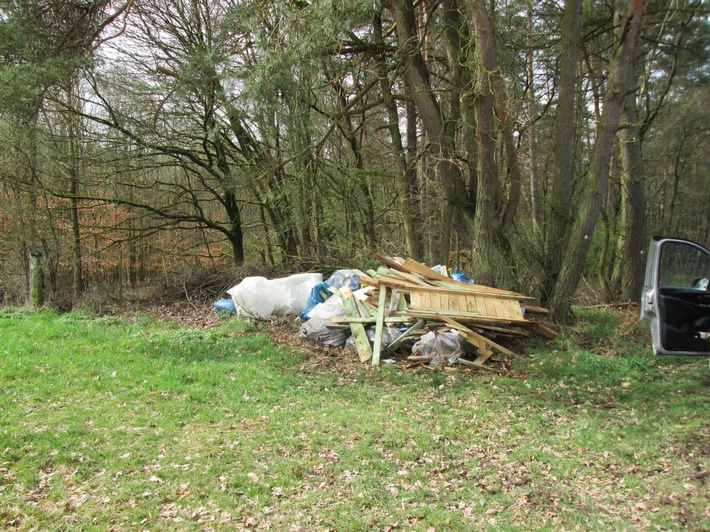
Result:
{"points": [[440, 347], [343, 278], [317, 330], [259, 297]]}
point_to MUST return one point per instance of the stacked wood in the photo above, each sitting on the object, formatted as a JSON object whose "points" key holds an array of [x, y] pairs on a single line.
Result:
{"points": [[410, 293]]}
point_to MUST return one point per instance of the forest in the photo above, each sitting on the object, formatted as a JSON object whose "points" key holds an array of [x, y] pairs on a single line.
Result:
{"points": [[534, 145]]}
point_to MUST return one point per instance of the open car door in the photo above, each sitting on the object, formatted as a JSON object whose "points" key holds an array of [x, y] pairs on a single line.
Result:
{"points": [[676, 297]]}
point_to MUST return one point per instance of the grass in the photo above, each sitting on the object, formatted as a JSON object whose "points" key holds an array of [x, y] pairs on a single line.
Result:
{"points": [[131, 423]]}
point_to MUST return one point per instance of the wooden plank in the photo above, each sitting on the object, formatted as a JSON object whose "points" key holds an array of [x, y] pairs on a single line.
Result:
{"points": [[477, 339], [402, 303], [535, 310], [455, 301], [403, 337], [505, 331], [362, 344], [481, 289], [426, 300], [413, 266], [359, 319], [366, 280], [494, 308], [435, 300], [474, 305], [514, 309], [474, 365], [361, 308], [465, 316], [389, 261], [464, 290], [485, 307], [502, 308], [379, 325], [539, 329], [480, 359], [423, 270], [444, 300], [369, 307], [396, 282], [413, 279]]}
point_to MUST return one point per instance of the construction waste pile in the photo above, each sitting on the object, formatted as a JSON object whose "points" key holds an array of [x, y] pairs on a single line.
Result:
{"points": [[403, 310]]}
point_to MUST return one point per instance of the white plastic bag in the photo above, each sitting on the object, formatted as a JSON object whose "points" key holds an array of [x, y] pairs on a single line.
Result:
{"points": [[330, 308], [259, 297]]}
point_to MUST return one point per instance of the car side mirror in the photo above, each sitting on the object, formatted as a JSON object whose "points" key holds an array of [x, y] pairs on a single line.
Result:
{"points": [[701, 283]]}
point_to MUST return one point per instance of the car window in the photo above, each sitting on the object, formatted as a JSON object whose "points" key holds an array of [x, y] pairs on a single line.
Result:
{"points": [[683, 265]]}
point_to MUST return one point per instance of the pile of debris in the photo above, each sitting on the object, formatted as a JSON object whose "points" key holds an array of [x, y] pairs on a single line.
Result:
{"points": [[448, 317], [405, 308]]}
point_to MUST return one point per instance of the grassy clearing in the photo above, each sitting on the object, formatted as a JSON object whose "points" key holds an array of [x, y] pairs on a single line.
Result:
{"points": [[131, 423]]}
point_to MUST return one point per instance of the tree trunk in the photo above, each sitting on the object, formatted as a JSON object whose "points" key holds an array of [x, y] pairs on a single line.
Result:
{"points": [[560, 208], [406, 179], [440, 136], [535, 189], [632, 240], [236, 235], [35, 288], [73, 154], [512, 201], [627, 21], [489, 259]]}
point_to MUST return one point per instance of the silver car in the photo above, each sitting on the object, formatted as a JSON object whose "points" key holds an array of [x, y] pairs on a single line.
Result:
{"points": [[676, 297]]}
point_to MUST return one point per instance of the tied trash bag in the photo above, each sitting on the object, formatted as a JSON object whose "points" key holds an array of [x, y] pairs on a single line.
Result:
{"points": [[258, 297], [225, 304], [316, 330], [439, 347]]}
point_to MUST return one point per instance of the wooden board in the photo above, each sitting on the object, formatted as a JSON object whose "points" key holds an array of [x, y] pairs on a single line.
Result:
{"points": [[362, 343], [474, 304], [417, 267], [461, 316], [379, 326], [389, 261], [540, 329]]}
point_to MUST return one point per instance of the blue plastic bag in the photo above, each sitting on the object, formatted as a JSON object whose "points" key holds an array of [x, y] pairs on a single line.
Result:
{"points": [[319, 293], [225, 304], [460, 276]]}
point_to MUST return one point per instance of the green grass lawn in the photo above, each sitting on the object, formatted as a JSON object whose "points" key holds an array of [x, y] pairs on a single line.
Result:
{"points": [[130, 423]]}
